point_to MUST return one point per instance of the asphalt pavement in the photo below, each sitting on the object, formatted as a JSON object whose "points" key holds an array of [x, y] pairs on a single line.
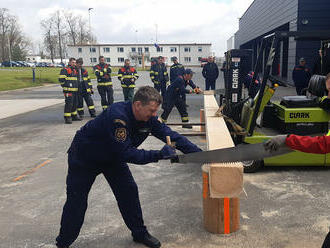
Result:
{"points": [[283, 207]]}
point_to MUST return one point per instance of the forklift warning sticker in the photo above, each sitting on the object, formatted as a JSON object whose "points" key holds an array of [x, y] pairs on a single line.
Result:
{"points": [[234, 97]]}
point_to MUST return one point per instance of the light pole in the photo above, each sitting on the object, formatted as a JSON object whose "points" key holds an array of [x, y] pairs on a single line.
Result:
{"points": [[136, 36], [9, 51], [156, 33], [89, 21]]}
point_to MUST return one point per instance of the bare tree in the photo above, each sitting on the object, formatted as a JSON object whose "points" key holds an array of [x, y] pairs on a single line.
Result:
{"points": [[4, 27], [50, 39], [84, 36], [11, 37], [63, 28], [59, 26], [72, 23]]}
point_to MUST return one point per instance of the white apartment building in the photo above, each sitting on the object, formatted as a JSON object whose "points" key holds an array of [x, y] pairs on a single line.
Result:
{"points": [[189, 54]]}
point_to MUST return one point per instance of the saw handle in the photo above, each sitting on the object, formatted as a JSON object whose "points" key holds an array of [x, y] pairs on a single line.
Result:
{"points": [[168, 142]]}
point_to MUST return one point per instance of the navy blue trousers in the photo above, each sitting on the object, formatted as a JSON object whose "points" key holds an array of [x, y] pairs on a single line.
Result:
{"points": [[161, 87], [79, 181], [210, 83]]}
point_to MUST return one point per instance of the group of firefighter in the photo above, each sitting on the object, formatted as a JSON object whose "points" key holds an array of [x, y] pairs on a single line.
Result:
{"points": [[77, 87]]}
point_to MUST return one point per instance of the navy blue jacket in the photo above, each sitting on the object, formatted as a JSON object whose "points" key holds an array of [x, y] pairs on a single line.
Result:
{"points": [[158, 73], [178, 89], [114, 135], [210, 71], [175, 71], [301, 76]]}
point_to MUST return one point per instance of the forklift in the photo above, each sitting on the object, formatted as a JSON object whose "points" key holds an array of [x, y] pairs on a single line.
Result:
{"points": [[293, 114]]}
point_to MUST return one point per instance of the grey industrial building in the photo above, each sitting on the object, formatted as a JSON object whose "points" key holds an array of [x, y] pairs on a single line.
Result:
{"points": [[263, 17]]}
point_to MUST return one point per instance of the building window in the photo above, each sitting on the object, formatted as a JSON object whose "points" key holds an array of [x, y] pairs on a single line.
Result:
{"points": [[146, 49], [173, 49], [106, 49], [159, 49], [187, 59], [121, 60], [93, 60], [107, 60], [120, 49], [133, 49], [79, 50], [200, 49], [92, 49], [140, 61], [187, 49]]}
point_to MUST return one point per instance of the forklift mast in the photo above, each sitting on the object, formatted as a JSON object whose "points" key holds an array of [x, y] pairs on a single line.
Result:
{"points": [[238, 65]]}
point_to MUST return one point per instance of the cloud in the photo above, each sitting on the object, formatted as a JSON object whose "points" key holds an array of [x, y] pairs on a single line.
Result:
{"points": [[135, 20]]}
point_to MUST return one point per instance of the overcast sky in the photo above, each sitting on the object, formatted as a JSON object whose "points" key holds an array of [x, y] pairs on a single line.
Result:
{"points": [[130, 21]]}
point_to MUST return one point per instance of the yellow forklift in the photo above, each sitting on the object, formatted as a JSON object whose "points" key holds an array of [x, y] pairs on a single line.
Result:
{"points": [[292, 114]]}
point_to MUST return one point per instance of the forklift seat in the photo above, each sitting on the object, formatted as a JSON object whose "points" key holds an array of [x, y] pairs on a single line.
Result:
{"points": [[299, 102]]}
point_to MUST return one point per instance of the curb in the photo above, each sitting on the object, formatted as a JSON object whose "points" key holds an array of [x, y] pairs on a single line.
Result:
{"points": [[27, 89]]}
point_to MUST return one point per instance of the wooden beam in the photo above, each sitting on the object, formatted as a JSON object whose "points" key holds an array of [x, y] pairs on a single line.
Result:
{"points": [[222, 182]]}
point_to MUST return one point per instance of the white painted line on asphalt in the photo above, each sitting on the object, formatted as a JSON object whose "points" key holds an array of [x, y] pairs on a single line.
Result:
{"points": [[10, 108]]}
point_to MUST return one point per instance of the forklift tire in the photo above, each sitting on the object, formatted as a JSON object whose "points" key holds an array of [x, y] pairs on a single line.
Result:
{"points": [[317, 85], [252, 166]]}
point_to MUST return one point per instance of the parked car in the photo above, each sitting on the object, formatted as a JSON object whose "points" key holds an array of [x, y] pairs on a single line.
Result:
{"points": [[42, 64], [59, 65], [10, 64], [31, 64], [20, 63], [25, 64]]}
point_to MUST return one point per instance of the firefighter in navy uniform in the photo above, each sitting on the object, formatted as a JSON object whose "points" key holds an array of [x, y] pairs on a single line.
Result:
{"points": [[85, 89], [176, 69], [105, 145], [127, 75], [301, 75], [159, 76], [175, 97], [210, 73], [68, 81], [104, 83]]}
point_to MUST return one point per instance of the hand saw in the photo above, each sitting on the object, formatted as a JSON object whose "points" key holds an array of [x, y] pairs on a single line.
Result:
{"points": [[246, 152]]}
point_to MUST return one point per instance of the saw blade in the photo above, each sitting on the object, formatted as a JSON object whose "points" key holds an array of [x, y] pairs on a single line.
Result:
{"points": [[246, 152]]}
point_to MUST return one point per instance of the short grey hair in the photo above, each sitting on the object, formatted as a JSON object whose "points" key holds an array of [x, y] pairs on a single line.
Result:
{"points": [[147, 94]]}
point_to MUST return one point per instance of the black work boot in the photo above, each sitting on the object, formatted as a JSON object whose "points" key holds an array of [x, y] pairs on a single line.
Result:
{"points": [[76, 118], [148, 241], [187, 126], [67, 120], [93, 114]]}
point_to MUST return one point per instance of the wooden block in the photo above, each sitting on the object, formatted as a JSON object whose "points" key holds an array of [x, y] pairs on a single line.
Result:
{"points": [[220, 215], [226, 180]]}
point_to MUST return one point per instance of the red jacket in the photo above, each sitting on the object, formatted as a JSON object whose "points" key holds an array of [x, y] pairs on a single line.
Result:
{"points": [[318, 144]]}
